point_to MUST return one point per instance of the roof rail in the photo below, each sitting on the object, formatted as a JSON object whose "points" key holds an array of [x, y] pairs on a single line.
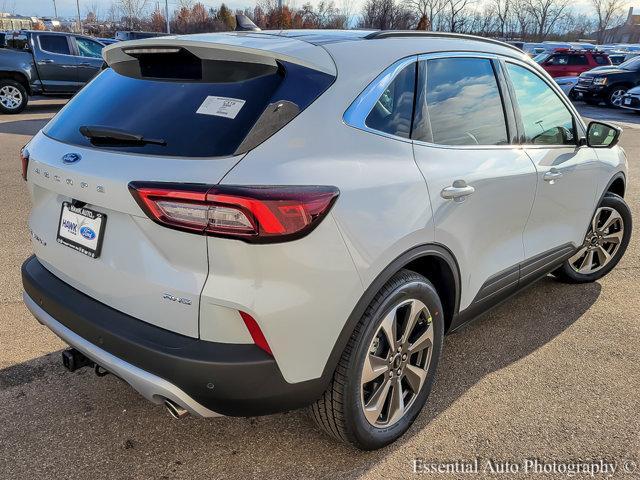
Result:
{"points": [[423, 33]]}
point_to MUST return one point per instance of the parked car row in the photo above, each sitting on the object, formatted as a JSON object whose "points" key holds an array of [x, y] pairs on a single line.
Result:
{"points": [[564, 62], [615, 86], [49, 63]]}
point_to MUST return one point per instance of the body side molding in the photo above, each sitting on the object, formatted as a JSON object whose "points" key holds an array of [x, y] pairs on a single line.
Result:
{"points": [[507, 283]]}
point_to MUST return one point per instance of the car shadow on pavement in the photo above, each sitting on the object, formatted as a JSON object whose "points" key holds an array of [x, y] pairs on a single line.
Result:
{"points": [[44, 405], [23, 127]]}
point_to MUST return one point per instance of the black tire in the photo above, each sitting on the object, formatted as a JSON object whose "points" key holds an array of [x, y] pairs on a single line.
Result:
{"points": [[566, 273], [21, 93], [339, 411]]}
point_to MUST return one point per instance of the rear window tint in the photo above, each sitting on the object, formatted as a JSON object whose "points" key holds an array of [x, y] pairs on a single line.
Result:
{"points": [[578, 60], [194, 118], [55, 44]]}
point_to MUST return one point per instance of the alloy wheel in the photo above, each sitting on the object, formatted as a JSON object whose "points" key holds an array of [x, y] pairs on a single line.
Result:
{"points": [[10, 97], [601, 243], [616, 97], [397, 363]]}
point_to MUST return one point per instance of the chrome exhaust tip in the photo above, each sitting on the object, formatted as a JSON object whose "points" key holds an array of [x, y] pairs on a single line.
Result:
{"points": [[175, 410]]}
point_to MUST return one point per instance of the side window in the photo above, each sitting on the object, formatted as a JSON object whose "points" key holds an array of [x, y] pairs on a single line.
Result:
{"points": [[462, 104], [600, 60], [578, 60], [89, 48], [393, 111], [558, 60], [54, 44], [546, 119]]}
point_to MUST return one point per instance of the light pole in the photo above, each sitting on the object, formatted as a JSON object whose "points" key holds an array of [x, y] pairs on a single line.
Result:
{"points": [[79, 21], [166, 14], [55, 10]]}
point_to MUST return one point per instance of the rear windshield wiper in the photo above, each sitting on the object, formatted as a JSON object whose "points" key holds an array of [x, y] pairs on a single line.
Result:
{"points": [[115, 137]]}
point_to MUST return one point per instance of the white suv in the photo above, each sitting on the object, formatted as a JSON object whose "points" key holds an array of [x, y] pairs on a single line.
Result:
{"points": [[246, 223]]}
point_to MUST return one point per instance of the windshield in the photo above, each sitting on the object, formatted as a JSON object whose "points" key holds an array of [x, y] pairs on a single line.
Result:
{"points": [[541, 57], [633, 64]]}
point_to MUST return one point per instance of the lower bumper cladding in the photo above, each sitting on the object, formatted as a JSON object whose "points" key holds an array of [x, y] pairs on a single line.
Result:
{"points": [[205, 378], [150, 386]]}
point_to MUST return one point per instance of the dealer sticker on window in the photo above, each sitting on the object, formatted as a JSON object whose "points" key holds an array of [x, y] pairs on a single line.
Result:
{"points": [[221, 106]]}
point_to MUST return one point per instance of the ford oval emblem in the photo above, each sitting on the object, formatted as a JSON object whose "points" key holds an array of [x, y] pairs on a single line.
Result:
{"points": [[71, 158], [87, 232]]}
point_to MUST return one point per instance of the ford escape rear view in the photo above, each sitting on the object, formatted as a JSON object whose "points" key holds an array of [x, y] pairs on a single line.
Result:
{"points": [[247, 223]]}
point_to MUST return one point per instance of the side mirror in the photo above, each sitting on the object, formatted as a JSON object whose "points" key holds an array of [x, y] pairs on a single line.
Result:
{"points": [[602, 135]]}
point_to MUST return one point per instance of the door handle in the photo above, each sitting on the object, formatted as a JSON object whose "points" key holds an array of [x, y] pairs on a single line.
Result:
{"points": [[44, 62], [552, 175], [85, 64], [459, 191]]}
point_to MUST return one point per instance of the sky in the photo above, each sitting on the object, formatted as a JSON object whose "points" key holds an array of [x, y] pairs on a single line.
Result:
{"points": [[67, 8]]}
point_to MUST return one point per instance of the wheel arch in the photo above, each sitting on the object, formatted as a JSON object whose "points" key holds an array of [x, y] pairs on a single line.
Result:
{"points": [[622, 83], [21, 78], [617, 185], [433, 261]]}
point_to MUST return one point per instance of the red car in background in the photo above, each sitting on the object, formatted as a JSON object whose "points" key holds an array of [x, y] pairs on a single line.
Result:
{"points": [[563, 62]]}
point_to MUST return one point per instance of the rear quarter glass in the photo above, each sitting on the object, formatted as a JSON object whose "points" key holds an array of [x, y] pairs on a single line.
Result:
{"points": [[183, 113]]}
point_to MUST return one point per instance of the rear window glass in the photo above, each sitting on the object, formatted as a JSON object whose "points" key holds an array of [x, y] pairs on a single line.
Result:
{"points": [[55, 44], [191, 118], [578, 60]]}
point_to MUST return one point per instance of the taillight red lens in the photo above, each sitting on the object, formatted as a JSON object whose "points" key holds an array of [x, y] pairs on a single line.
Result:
{"points": [[255, 332], [24, 159], [254, 214]]}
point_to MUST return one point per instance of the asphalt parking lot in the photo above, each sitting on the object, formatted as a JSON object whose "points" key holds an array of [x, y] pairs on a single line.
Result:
{"points": [[552, 374]]}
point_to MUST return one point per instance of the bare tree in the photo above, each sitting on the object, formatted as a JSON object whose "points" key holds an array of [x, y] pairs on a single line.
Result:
{"points": [[502, 11], [133, 11], [429, 10], [522, 17], [113, 13], [347, 9], [545, 14], [608, 13], [92, 11], [386, 15], [455, 14]]}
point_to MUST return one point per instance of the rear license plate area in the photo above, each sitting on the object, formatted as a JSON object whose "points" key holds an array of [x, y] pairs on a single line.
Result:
{"points": [[82, 229]]}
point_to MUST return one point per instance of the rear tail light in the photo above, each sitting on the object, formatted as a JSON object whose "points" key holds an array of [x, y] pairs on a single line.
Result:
{"points": [[258, 214], [24, 159]]}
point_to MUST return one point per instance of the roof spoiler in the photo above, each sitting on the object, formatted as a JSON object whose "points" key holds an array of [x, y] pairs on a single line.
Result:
{"points": [[260, 49]]}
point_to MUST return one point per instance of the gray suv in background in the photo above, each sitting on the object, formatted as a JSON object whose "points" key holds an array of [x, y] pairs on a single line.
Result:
{"points": [[48, 63]]}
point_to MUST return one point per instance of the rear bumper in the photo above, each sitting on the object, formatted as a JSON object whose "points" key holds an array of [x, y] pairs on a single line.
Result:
{"points": [[206, 378]]}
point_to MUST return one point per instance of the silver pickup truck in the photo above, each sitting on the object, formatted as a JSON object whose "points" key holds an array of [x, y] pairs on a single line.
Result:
{"points": [[45, 63]]}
